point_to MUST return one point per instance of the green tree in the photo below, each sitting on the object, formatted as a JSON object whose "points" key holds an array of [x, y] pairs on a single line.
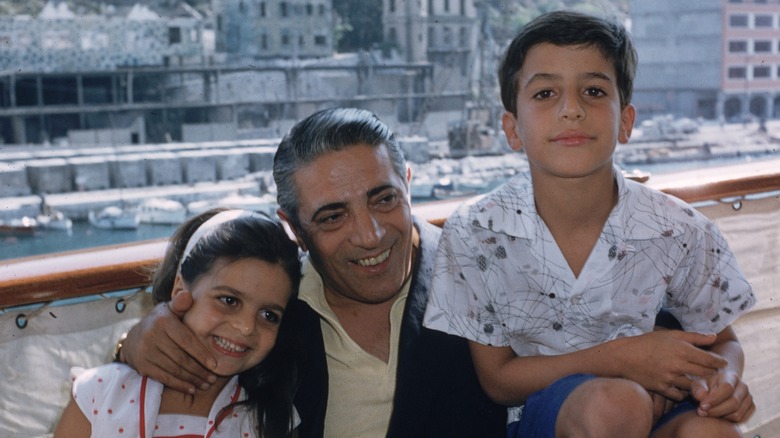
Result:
{"points": [[358, 24]]}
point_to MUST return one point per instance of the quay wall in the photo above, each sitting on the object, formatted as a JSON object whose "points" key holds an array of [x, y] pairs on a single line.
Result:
{"points": [[64, 170]]}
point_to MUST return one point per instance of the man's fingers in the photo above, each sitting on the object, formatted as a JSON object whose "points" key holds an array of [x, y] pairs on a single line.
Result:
{"points": [[187, 347], [181, 303]]}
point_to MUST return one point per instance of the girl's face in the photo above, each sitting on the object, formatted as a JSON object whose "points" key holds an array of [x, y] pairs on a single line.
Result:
{"points": [[237, 308]]}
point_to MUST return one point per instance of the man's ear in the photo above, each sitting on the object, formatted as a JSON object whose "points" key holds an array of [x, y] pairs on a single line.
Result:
{"points": [[291, 229], [627, 118], [509, 123]]}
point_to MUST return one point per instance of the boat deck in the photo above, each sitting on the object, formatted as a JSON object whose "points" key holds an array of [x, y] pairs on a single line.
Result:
{"points": [[69, 308]]}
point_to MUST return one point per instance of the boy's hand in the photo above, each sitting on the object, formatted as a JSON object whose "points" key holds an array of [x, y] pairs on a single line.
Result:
{"points": [[162, 347], [723, 395], [662, 361]]}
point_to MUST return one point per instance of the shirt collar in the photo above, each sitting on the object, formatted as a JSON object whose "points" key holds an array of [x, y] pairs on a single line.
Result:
{"points": [[511, 210]]}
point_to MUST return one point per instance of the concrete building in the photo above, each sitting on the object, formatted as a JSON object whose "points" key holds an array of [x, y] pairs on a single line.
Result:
{"points": [[261, 29], [442, 32], [714, 59], [57, 40]]}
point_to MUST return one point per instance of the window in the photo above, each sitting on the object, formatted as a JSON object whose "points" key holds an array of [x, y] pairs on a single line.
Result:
{"points": [[761, 72], [462, 7], [283, 9], [264, 42], [446, 5], [738, 20], [763, 21], [174, 35], [392, 6], [737, 72], [431, 36], [763, 46], [320, 40], [463, 37], [430, 7], [285, 40], [309, 9], [262, 9], [737, 46]]}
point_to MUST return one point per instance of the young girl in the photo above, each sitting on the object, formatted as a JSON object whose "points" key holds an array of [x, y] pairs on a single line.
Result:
{"points": [[242, 270]]}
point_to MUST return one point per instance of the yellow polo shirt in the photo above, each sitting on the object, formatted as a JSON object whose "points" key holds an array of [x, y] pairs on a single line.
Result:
{"points": [[361, 386]]}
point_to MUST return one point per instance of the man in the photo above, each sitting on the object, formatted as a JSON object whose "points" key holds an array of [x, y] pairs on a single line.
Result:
{"points": [[368, 367]]}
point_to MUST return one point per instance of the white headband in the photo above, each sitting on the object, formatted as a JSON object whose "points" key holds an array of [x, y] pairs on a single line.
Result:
{"points": [[212, 224]]}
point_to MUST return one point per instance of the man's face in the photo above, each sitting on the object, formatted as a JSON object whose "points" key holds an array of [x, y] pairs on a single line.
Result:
{"points": [[356, 223]]}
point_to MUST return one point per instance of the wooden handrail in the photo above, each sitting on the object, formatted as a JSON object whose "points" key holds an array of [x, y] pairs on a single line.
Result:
{"points": [[105, 269]]}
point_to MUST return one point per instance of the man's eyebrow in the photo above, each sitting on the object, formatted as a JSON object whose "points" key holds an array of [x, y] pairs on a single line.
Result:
{"points": [[328, 207], [379, 189]]}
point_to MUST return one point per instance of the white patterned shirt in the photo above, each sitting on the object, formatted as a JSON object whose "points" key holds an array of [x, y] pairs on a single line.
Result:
{"points": [[500, 278]]}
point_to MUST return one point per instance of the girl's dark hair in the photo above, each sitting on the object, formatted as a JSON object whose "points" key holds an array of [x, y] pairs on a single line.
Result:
{"points": [[270, 385]]}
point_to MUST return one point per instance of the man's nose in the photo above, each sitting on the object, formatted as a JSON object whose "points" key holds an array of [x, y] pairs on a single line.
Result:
{"points": [[368, 231]]}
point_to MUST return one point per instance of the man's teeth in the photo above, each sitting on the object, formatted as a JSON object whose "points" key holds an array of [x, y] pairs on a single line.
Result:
{"points": [[371, 261], [227, 345]]}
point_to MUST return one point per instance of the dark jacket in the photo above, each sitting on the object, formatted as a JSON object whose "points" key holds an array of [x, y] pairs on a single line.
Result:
{"points": [[437, 393]]}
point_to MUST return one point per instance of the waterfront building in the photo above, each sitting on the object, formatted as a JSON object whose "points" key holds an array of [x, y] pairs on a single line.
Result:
{"points": [[58, 40], [263, 29], [714, 59], [442, 32]]}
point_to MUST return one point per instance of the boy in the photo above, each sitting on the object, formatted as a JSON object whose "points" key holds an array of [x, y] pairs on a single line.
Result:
{"points": [[556, 278]]}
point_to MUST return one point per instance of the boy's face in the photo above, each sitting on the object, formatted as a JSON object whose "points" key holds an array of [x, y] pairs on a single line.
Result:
{"points": [[568, 116]]}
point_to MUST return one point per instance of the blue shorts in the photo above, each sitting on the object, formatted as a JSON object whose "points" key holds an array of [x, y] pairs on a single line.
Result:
{"points": [[540, 412]]}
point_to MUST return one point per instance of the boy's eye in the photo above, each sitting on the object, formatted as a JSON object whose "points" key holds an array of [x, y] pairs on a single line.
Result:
{"points": [[595, 92], [544, 94]]}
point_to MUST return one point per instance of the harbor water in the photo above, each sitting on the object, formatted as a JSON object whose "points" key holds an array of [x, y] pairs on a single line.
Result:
{"points": [[84, 235]]}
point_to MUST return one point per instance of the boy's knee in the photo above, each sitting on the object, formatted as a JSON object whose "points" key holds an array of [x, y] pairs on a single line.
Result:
{"points": [[690, 425], [606, 407]]}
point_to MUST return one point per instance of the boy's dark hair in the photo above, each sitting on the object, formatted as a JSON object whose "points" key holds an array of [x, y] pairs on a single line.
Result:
{"points": [[270, 385], [569, 28]]}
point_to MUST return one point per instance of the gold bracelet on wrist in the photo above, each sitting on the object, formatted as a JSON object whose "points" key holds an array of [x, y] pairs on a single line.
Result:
{"points": [[118, 347]]}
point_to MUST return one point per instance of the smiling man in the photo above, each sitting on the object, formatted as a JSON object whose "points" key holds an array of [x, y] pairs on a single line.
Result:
{"points": [[368, 368]]}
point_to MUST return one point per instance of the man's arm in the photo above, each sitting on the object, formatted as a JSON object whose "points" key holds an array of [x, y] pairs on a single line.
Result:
{"points": [[162, 347], [725, 394], [660, 362]]}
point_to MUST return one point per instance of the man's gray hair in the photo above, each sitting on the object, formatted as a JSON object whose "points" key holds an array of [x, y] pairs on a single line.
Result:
{"points": [[328, 131]]}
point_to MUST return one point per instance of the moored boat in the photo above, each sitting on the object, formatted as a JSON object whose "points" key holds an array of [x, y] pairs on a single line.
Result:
{"points": [[54, 220], [24, 226], [115, 218], [161, 211]]}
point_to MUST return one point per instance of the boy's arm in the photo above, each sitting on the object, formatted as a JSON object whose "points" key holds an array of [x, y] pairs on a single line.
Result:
{"points": [[659, 361], [162, 347], [725, 394]]}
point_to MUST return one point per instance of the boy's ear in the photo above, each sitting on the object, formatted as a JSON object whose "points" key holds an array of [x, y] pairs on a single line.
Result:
{"points": [[509, 123], [627, 117]]}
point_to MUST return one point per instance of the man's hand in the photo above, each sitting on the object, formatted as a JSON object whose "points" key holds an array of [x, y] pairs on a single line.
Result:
{"points": [[723, 395], [662, 361], [162, 347]]}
